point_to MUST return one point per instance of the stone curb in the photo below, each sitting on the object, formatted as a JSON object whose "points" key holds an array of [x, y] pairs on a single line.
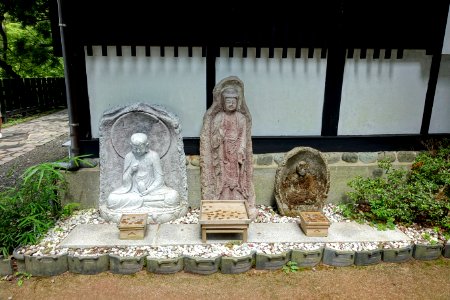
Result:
{"points": [[57, 264]]}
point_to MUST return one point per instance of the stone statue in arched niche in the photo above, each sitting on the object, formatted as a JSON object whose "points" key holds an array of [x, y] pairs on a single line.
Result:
{"points": [[142, 163], [226, 153], [302, 181]]}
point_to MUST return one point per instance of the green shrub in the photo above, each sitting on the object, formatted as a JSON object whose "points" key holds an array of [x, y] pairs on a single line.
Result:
{"points": [[28, 211], [420, 195]]}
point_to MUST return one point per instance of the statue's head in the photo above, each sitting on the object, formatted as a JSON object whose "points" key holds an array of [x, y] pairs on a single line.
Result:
{"points": [[302, 168], [230, 98], [139, 144]]}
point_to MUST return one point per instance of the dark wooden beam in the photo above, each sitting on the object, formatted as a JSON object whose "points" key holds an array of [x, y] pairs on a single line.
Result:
{"points": [[334, 75], [211, 54], [434, 73]]}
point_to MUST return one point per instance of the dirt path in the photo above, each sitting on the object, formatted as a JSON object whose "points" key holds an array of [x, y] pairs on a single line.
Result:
{"points": [[412, 280]]}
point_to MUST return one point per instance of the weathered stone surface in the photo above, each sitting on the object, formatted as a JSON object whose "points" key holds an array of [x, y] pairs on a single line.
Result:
{"points": [[50, 265], [264, 160], [350, 157], [338, 258], [90, 264], [278, 157], [368, 257], [162, 130], [387, 155], [226, 154], [6, 266], [195, 160], [265, 261], [332, 157], [406, 156], [302, 181], [368, 157], [378, 172], [398, 255]]}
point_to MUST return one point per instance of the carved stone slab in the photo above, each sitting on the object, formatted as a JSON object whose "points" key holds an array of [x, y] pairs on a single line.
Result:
{"points": [[302, 181], [164, 133]]}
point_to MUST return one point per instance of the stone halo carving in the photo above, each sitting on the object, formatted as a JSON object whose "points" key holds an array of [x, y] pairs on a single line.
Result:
{"points": [[158, 133]]}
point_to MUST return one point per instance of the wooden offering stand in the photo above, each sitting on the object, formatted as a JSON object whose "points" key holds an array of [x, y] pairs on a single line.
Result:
{"points": [[224, 216], [314, 223], [132, 226]]}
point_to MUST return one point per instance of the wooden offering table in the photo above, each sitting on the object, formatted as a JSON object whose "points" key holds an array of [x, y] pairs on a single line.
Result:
{"points": [[314, 223], [132, 226], [224, 216]]}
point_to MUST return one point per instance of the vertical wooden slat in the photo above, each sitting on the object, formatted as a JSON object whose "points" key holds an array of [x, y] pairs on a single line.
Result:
{"points": [[204, 51], [17, 92], [376, 53], [41, 93], [350, 52], [89, 50], [387, 53], [49, 91], [258, 52], [35, 92], [363, 53], [27, 93], [6, 102], [104, 50]]}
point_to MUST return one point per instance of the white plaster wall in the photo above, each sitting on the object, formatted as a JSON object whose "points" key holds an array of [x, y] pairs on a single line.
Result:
{"points": [[177, 83], [384, 96], [440, 117], [284, 95]]}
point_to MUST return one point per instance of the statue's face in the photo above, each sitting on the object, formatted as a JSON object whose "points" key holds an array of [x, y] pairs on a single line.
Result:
{"points": [[230, 104], [139, 149]]}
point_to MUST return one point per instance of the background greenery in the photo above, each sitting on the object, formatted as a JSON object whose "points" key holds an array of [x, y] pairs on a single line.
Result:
{"points": [[26, 42]]}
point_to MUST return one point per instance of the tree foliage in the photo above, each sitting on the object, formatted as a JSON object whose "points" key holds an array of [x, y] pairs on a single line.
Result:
{"points": [[26, 49]]}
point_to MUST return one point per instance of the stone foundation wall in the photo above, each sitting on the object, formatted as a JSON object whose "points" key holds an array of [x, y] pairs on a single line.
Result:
{"points": [[84, 183]]}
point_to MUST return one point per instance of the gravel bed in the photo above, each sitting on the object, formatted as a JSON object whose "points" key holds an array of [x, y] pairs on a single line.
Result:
{"points": [[266, 214]]}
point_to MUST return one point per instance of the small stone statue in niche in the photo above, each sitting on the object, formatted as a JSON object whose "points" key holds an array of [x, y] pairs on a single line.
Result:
{"points": [[142, 181], [226, 146], [302, 181], [301, 187]]}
